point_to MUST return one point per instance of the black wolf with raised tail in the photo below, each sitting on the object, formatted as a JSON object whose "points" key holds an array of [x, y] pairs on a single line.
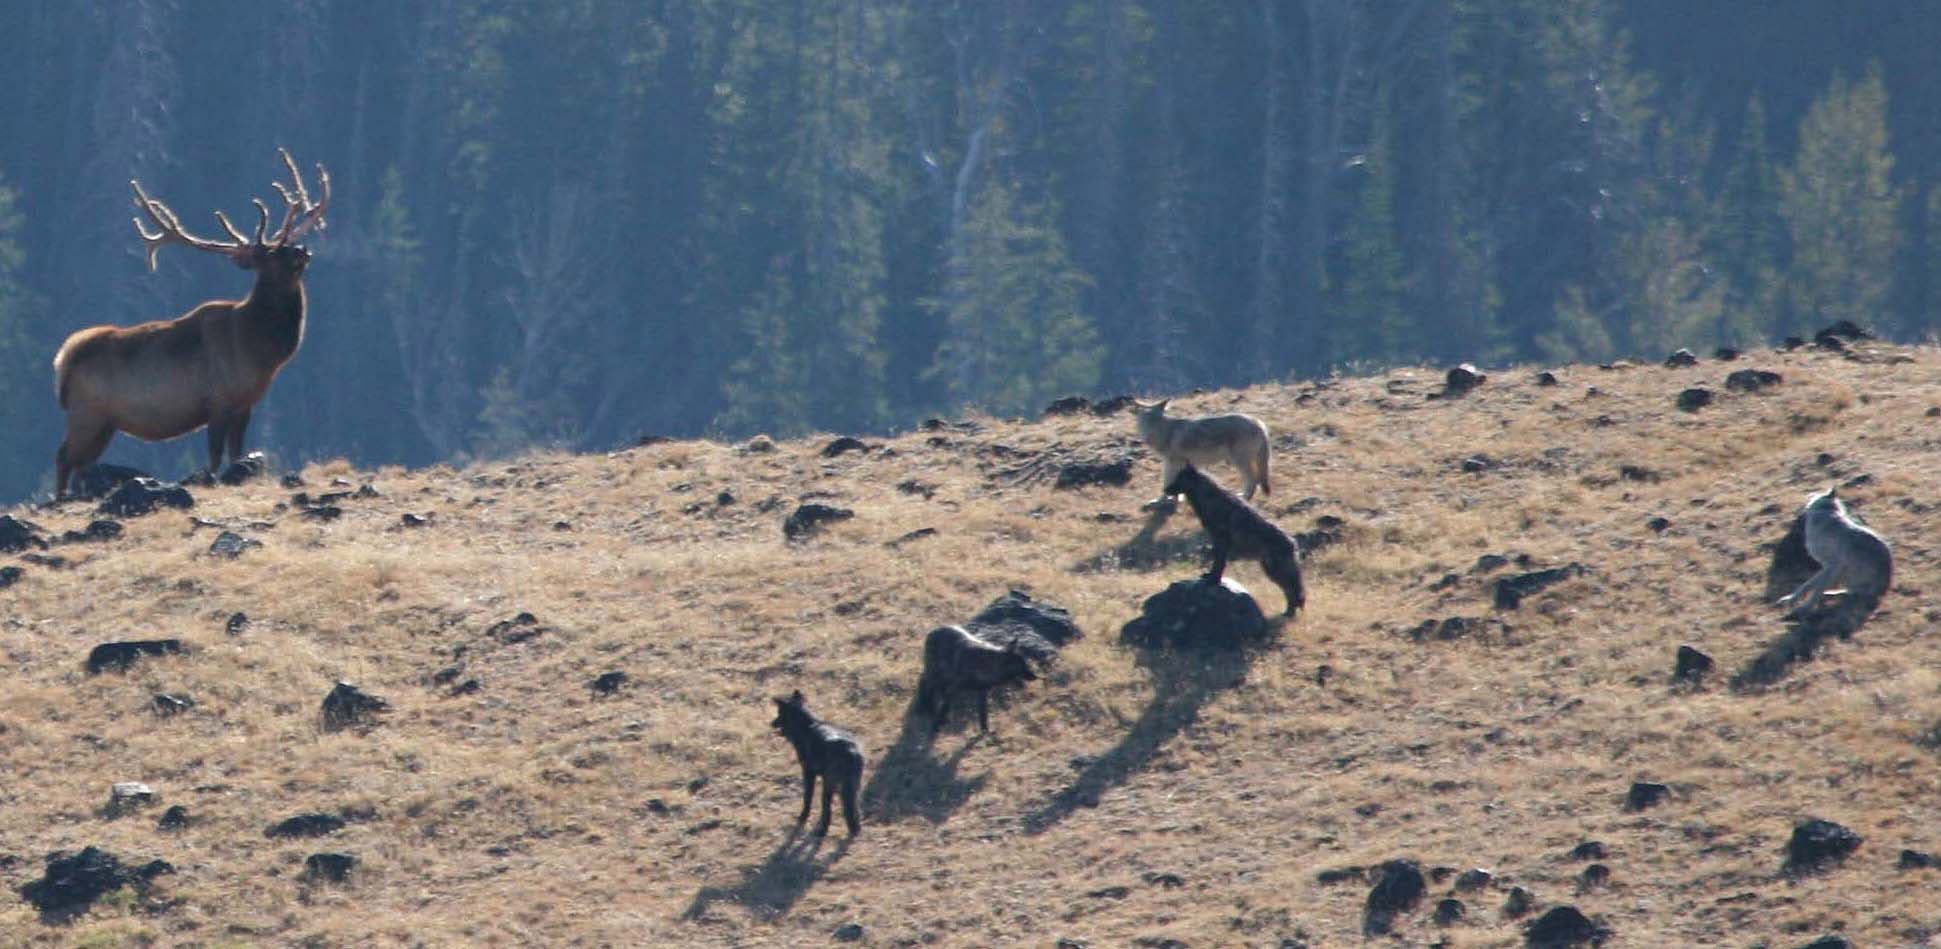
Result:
{"points": [[1237, 529]]}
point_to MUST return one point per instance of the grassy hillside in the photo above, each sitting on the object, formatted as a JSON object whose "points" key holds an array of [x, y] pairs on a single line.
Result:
{"points": [[1125, 799]]}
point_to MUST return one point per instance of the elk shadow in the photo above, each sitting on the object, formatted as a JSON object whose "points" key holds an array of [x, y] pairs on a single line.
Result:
{"points": [[1791, 566], [1184, 681], [771, 888], [1146, 550], [911, 779]]}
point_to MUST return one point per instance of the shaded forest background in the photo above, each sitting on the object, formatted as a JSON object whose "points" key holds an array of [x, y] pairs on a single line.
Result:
{"points": [[570, 223]]}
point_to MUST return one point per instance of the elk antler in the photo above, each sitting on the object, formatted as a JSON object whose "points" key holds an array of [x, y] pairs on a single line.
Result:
{"points": [[300, 215], [172, 233]]}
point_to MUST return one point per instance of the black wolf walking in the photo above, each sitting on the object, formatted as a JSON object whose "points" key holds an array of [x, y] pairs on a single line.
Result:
{"points": [[825, 750], [955, 661], [1238, 530]]}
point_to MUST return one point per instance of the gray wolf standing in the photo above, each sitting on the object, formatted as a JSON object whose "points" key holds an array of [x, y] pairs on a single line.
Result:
{"points": [[1239, 439], [1848, 553], [954, 661], [1238, 530], [826, 751]]}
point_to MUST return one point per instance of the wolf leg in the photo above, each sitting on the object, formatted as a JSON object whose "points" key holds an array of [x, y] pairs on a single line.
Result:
{"points": [[850, 815], [1803, 599], [1219, 568], [828, 795], [808, 793], [1166, 477]]}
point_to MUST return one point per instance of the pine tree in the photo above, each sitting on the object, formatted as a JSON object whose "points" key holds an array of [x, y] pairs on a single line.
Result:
{"points": [[1750, 236], [1374, 325], [1840, 206]]}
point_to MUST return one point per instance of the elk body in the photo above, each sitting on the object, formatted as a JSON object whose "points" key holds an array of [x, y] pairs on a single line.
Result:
{"points": [[208, 367]]}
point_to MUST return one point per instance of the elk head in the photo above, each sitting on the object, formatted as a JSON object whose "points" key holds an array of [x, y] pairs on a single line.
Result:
{"points": [[274, 256]]}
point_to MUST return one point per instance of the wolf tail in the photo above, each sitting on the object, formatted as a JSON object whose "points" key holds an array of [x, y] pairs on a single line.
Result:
{"points": [[1260, 457]]}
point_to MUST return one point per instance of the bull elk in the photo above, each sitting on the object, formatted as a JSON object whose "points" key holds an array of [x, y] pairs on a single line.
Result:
{"points": [[209, 366]]}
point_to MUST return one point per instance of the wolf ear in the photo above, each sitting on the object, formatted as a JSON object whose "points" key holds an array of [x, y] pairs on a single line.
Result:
{"points": [[796, 697]]}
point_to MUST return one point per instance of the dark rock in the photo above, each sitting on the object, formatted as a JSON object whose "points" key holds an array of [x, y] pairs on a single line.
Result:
{"points": [[1846, 329], [1833, 941], [1818, 843], [1791, 343], [10, 576], [97, 530], [1168, 881], [305, 825], [1638, 473], [1752, 380], [1039, 629], [467, 687], [167, 705], [118, 656], [328, 867], [1658, 525], [607, 683], [413, 520], [74, 881], [1644, 794], [1113, 405], [1594, 876], [1518, 902], [810, 517], [1826, 340], [849, 932], [17, 535], [51, 562], [1725, 354], [1398, 887], [914, 486], [1193, 614], [1335, 875], [291, 481], [918, 534], [1460, 380], [139, 496], [126, 796], [98, 481], [1695, 398], [1680, 359], [1474, 878], [1069, 405], [843, 445], [1110, 893], [1691, 666], [348, 705], [1478, 463], [1510, 591], [247, 468], [175, 818], [1589, 850], [236, 624], [724, 498], [1488, 562], [230, 545], [1449, 912], [322, 512], [1087, 473], [517, 629], [1915, 860], [1561, 927], [1546, 378], [649, 440]]}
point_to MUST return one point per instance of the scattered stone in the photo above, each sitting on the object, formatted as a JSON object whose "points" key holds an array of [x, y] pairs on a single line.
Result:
{"points": [[413, 520], [724, 498], [1695, 398], [1826, 340], [126, 796], [759, 445], [1561, 927], [305, 825], [1692, 665], [810, 517], [1594, 876], [1818, 843], [1680, 359], [1193, 614], [17, 535], [1084, 473], [843, 445], [1589, 850], [1478, 463], [918, 534], [1845, 329], [1832, 941], [10, 575], [1725, 354], [138, 496], [517, 629], [348, 705], [913, 486], [1546, 378], [1638, 473], [168, 706], [74, 881], [97, 530], [1335, 875], [1791, 343], [1167, 881], [467, 687], [1645, 794], [98, 481], [1399, 886], [1038, 629], [323, 512], [175, 818], [1518, 902], [1110, 893], [291, 480], [1461, 379], [607, 683], [1449, 912], [247, 468], [236, 624], [328, 867], [119, 656], [1915, 860], [849, 932], [1113, 405], [1752, 380], [230, 545], [1658, 525], [1488, 562], [1474, 878], [1510, 591], [1069, 405]]}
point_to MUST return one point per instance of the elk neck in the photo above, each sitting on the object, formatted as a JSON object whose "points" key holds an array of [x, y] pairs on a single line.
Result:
{"points": [[274, 312]]}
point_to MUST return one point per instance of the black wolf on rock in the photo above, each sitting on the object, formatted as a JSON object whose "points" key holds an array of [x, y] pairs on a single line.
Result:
{"points": [[1237, 529]]}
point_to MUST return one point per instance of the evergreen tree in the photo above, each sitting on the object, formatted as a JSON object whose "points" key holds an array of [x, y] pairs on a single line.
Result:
{"points": [[1840, 206], [17, 360], [1750, 236], [1375, 327]]}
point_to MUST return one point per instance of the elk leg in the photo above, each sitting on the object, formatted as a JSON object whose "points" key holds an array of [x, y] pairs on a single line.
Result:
{"points": [[237, 426], [79, 450], [808, 793], [218, 433]]}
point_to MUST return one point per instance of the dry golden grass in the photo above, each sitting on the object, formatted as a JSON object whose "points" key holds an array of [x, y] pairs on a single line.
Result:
{"points": [[520, 814]]}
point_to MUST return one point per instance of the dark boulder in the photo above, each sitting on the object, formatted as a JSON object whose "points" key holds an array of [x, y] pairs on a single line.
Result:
{"points": [[98, 481], [10, 575], [1817, 844], [1826, 340], [236, 624], [97, 530], [1791, 343], [1752, 380], [1089, 473], [1113, 405], [849, 932], [1194, 614], [1518, 902], [175, 818], [1546, 378], [1589, 850], [1449, 912], [1833, 941], [1645, 794], [1725, 354], [305, 825], [1069, 405], [229, 545], [810, 517], [1594, 876], [607, 683], [247, 468], [17, 535], [1695, 398], [1562, 927], [74, 881], [1680, 359], [138, 496], [1476, 464], [168, 706], [1916, 860], [1474, 878], [119, 656], [1039, 629], [348, 705], [1510, 591], [328, 867], [1460, 380], [413, 520], [843, 445], [1399, 886]]}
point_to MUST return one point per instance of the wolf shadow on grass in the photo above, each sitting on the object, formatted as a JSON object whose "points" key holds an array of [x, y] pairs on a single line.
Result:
{"points": [[911, 779], [1146, 550], [771, 888], [1184, 681], [1790, 567]]}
